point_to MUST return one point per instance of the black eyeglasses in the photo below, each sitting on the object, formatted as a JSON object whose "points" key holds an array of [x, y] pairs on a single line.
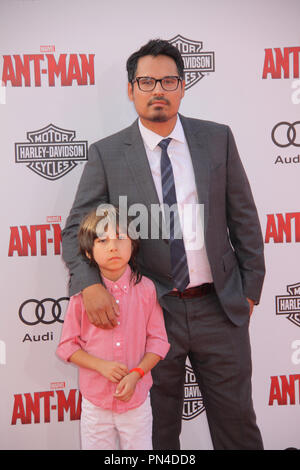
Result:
{"points": [[149, 83]]}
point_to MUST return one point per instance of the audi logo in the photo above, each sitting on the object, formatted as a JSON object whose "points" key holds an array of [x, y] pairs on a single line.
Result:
{"points": [[284, 134], [46, 311]]}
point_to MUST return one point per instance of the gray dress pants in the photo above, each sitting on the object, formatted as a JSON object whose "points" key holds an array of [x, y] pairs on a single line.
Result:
{"points": [[220, 355]]}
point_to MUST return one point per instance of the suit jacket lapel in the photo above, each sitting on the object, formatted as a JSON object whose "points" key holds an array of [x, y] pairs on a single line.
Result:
{"points": [[138, 163], [137, 160], [197, 142]]}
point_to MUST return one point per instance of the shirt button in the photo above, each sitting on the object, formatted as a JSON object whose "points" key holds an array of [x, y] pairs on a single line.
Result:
{"points": [[117, 301], [119, 323], [118, 344]]}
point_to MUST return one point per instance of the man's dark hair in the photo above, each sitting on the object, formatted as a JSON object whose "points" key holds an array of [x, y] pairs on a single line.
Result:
{"points": [[155, 47]]}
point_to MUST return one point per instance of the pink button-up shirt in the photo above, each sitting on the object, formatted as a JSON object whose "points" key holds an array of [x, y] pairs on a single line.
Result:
{"points": [[140, 329]]}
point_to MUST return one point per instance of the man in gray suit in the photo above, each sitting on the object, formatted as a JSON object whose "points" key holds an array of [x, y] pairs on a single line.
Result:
{"points": [[207, 319]]}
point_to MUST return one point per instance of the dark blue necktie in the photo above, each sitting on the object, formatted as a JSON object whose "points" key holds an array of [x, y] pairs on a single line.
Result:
{"points": [[180, 272]]}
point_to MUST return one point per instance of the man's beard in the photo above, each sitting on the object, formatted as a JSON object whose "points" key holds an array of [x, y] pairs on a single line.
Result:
{"points": [[158, 118], [159, 114]]}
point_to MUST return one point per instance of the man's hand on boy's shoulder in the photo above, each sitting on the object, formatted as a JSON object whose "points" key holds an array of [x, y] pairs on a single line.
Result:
{"points": [[101, 308]]}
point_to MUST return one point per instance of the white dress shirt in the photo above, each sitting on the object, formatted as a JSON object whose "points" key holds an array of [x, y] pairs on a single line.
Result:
{"points": [[190, 211]]}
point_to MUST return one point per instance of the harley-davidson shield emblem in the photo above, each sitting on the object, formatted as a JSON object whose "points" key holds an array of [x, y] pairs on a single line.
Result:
{"points": [[290, 304], [196, 62], [193, 401], [51, 152]]}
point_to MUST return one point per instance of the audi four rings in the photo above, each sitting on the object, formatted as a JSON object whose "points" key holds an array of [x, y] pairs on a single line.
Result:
{"points": [[288, 132], [39, 310]]}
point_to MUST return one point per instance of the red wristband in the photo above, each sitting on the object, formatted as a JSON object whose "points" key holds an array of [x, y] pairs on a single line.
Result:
{"points": [[139, 370]]}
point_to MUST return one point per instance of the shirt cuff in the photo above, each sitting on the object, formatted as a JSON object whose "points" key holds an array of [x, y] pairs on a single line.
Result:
{"points": [[159, 347], [65, 351]]}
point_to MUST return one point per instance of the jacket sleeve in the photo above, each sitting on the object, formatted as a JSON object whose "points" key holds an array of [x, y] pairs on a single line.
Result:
{"points": [[92, 190], [243, 224]]}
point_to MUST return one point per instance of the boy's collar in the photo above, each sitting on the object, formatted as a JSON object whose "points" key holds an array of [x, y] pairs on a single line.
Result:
{"points": [[122, 283]]}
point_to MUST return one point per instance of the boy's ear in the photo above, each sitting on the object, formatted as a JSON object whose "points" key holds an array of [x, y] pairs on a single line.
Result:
{"points": [[87, 254]]}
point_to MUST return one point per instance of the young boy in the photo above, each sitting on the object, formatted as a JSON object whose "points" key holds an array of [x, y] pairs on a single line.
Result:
{"points": [[115, 364]]}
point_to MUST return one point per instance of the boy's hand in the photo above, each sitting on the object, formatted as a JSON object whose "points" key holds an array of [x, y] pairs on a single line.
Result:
{"points": [[126, 387], [113, 371]]}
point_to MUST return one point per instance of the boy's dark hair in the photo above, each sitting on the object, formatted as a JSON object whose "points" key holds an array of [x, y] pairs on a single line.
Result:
{"points": [[155, 47], [89, 232]]}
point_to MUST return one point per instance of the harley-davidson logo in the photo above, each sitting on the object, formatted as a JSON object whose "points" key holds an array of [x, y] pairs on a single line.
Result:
{"points": [[290, 304], [51, 152], [196, 62], [193, 401]]}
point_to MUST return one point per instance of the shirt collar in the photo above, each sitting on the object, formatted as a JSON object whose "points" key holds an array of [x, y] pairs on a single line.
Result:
{"points": [[151, 139], [122, 283]]}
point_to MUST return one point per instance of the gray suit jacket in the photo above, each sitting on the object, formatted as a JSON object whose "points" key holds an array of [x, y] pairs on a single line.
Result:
{"points": [[118, 166]]}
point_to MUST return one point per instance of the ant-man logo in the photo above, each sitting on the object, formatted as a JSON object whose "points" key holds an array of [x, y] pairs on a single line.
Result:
{"points": [[46, 311]]}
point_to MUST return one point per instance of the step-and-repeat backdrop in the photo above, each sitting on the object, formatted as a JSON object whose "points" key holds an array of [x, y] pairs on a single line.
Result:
{"points": [[63, 86]]}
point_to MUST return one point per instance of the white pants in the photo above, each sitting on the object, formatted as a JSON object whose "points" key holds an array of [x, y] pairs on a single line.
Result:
{"points": [[104, 429]]}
